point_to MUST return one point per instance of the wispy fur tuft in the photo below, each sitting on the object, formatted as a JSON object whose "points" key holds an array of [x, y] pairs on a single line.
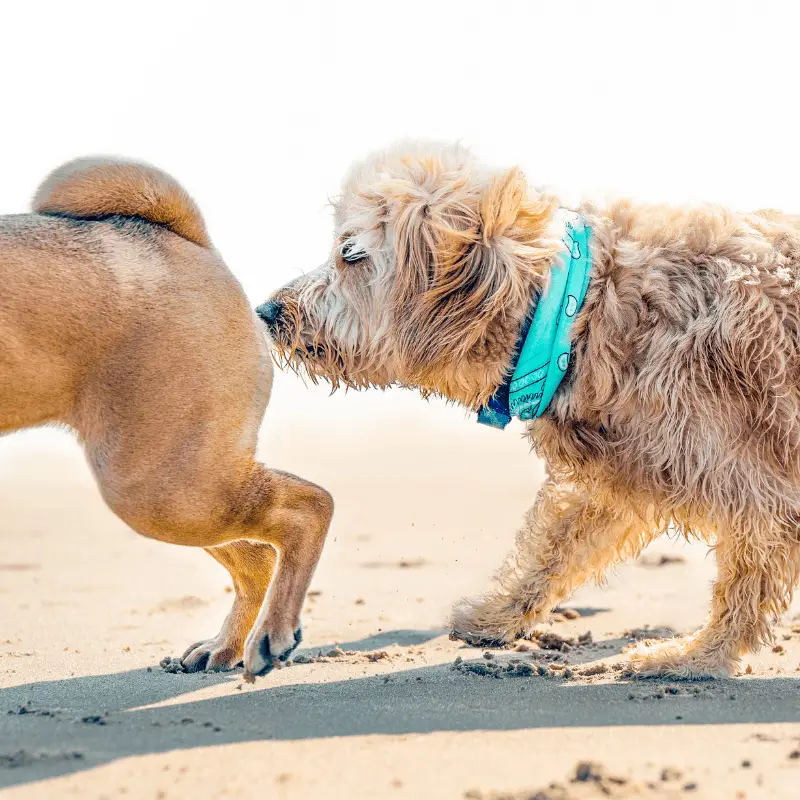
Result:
{"points": [[93, 188]]}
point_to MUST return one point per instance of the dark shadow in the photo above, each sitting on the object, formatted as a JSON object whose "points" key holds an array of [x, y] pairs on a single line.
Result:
{"points": [[101, 718], [410, 638], [576, 656], [404, 638]]}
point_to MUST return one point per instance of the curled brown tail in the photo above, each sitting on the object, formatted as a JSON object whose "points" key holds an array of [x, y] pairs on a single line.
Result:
{"points": [[88, 188]]}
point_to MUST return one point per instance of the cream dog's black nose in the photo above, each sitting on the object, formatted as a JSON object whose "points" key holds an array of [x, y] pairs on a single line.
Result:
{"points": [[270, 311]]}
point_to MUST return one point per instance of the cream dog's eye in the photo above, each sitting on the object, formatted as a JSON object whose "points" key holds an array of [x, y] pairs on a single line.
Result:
{"points": [[351, 254]]}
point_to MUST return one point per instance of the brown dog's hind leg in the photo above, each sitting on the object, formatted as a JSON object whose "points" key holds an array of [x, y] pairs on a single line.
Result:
{"points": [[758, 568], [294, 516], [568, 538], [245, 502], [250, 565]]}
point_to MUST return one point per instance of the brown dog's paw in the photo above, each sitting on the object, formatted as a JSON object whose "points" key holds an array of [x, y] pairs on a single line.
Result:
{"points": [[266, 652], [211, 655]]}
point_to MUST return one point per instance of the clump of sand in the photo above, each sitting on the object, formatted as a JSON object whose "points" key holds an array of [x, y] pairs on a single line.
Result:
{"points": [[337, 654], [550, 640], [27, 758], [489, 667], [171, 665], [595, 669], [593, 780], [564, 614]]}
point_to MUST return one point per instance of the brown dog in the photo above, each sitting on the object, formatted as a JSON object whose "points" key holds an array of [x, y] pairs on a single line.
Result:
{"points": [[680, 408], [119, 319]]}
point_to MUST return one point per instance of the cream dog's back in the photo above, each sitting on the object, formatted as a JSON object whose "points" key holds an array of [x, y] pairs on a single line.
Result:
{"points": [[118, 319]]}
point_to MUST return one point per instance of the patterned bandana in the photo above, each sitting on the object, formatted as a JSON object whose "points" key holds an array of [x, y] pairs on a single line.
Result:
{"points": [[544, 348]]}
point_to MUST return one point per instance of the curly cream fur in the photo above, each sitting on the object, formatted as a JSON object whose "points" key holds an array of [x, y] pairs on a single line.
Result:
{"points": [[681, 408]]}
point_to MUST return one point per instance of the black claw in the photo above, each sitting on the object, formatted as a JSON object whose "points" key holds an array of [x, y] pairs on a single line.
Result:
{"points": [[201, 663], [298, 637], [266, 654]]}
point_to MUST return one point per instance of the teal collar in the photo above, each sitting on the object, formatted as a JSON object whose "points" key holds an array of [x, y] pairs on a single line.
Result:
{"points": [[544, 348]]}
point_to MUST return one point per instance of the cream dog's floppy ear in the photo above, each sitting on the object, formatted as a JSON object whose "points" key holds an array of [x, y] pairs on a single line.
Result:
{"points": [[466, 251]]}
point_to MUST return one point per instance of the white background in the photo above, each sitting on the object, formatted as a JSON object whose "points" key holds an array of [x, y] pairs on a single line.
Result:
{"points": [[259, 107]]}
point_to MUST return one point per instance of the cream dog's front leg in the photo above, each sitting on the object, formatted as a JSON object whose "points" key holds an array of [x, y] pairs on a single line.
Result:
{"points": [[568, 537]]}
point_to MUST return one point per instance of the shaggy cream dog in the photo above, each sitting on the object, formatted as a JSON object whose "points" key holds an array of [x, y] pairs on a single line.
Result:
{"points": [[680, 409]]}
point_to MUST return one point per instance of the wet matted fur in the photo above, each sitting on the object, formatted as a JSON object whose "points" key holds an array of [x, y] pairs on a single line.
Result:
{"points": [[119, 320], [681, 408]]}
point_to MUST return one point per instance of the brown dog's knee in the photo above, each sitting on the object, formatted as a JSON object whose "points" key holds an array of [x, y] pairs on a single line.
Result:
{"points": [[283, 509]]}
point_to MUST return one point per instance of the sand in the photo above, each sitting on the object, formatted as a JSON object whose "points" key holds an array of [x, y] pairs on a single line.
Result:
{"points": [[374, 704]]}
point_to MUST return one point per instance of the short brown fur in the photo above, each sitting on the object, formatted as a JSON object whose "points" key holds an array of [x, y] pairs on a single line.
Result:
{"points": [[681, 408], [119, 320]]}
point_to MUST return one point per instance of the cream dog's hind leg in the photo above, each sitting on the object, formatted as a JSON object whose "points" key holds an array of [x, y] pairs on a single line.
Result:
{"points": [[753, 586]]}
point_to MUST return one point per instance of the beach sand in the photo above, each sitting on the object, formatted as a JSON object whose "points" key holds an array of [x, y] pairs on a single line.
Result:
{"points": [[427, 506]]}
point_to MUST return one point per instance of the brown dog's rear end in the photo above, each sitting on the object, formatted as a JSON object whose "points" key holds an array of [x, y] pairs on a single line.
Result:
{"points": [[118, 319]]}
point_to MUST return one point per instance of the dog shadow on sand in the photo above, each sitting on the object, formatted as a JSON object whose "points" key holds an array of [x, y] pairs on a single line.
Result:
{"points": [[53, 728]]}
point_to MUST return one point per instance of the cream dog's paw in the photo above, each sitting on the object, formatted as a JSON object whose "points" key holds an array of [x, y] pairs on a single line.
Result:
{"points": [[492, 621], [680, 658]]}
